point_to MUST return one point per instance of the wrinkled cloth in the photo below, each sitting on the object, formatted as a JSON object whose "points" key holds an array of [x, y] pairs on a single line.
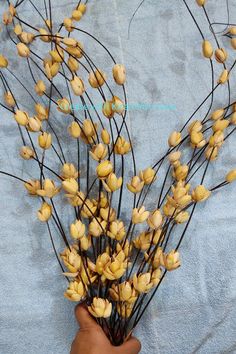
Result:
{"points": [[194, 310]]}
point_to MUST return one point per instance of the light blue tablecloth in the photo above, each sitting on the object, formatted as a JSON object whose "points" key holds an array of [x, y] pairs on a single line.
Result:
{"points": [[195, 308]]}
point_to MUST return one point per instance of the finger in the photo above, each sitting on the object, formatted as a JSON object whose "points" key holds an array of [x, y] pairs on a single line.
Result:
{"points": [[83, 317], [132, 346]]}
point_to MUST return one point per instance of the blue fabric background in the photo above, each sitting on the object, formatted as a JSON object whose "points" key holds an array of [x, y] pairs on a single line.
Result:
{"points": [[194, 310]]}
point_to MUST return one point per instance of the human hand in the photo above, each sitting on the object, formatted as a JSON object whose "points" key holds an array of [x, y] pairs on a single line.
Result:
{"points": [[91, 339]]}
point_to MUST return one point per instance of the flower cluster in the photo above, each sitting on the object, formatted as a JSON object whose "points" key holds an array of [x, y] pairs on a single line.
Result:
{"points": [[116, 253]]}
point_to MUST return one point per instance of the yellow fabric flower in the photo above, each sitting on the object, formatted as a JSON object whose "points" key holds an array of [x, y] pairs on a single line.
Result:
{"points": [[100, 308], [200, 194], [49, 189], [139, 215], [76, 291], [45, 212]]}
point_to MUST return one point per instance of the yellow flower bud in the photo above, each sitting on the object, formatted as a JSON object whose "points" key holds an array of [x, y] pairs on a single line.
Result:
{"points": [[21, 117], [224, 77], [104, 169], [77, 230], [97, 226], [174, 139], [49, 189], [118, 105], [70, 186], [74, 130], [40, 88], [107, 109], [108, 214], [201, 2], [68, 23], [220, 125], [112, 183], [148, 175], [73, 64], [181, 172], [195, 126], [119, 74], [200, 194], [232, 30], [76, 291], [139, 215], [34, 124], [123, 292], [32, 187], [100, 308], [82, 8], [122, 146], [174, 157], [156, 261], [89, 209], [231, 176], [57, 55], [48, 23], [221, 55], [171, 261], [125, 246], [44, 35], [45, 212], [207, 49], [157, 236], [72, 259], [155, 219], [77, 15], [85, 243], [3, 62], [102, 200], [116, 230], [217, 139], [105, 137], [41, 111], [63, 105], [45, 140], [76, 199], [97, 78], [12, 10], [233, 43], [169, 209], [143, 241], [27, 153], [156, 276], [23, 50], [76, 52], [70, 42], [116, 267], [99, 152], [233, 118], [197, 139], [89, 128], [142, 283], [211, 153], [135, 185], [69, 171], [124, 309], [77, 86], [52, 71], [180, 198]]}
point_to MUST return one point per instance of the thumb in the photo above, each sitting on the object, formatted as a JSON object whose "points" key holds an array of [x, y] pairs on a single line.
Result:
{"points": [[132, 346], [83, 317]]}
